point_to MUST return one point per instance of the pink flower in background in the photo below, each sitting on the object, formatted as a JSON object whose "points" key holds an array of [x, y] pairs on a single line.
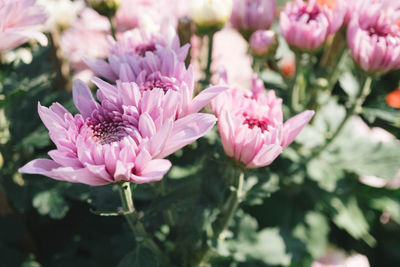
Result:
{"points": [[251, 15], [251, 125], [263, 42], [374, 38], [306, 25], [86, 38], [136, 13], [124, 138], [337, 258], [18, 20]]}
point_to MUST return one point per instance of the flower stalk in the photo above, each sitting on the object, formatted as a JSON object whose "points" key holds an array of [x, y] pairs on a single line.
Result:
{"points": [[207, 71], [136, 226], [355, 108]]}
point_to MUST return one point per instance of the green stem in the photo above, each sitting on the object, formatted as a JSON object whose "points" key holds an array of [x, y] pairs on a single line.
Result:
{"points": [[278, 70], [112, 28], [294, 86], [355, 108], [228, 211], [209, 58], [136, 226]]}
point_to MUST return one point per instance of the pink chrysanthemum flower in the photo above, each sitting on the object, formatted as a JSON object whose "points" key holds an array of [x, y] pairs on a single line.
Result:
{"points": [[373, 36], [18, 18], [306, 25], [263, 42], [87, 37], [251, 125], [163, 68], [124, 138], [249, 16]]}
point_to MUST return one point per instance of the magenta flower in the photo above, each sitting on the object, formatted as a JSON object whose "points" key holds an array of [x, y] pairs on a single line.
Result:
{"points": [[373, 36], [263, 42], [91, 28], [251, 125], [18, 19], [123, 138], [306, 25], [251, 15]]}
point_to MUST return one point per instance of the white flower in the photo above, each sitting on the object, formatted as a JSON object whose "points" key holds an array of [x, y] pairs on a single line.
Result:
{"points": [[62, 13], [211, 12]]}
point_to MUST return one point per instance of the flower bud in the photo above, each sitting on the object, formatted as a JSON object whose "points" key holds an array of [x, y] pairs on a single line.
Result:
{"points": [[249, 16], [263, 43], [210, 15], [106, 8], [393, 98]]}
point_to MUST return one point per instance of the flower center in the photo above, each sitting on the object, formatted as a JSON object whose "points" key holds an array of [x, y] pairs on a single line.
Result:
{"points": [[143, 48], [306, 15], [150, 85], [252, 122], [107, 132]]}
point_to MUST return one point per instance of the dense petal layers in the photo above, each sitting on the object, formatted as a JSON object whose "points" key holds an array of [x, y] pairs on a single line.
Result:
{"points": [[251, 125]]}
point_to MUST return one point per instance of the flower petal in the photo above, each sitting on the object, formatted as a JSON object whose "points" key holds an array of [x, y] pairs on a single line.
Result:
{"points": [[293, 126]]}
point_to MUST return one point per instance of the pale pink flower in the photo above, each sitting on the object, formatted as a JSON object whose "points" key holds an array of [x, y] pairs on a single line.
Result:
{"points": [[263, 42], [251, 125], [137, 13], [18, 20], [228, 42], [337, 258], [373, 36], [306, 25], [124, 138], [87, 37], [251, 15]]}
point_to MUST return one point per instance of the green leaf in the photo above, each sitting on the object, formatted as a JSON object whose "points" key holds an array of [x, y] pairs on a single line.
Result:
{"points": [[386, 204], [314, 233], [325, 173], [266, 245], [349, 84], [350, 218], [140, 258], [50, 203]]}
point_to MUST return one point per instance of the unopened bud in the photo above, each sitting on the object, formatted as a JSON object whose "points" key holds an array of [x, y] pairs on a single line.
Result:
{"points": [[263, 43]]}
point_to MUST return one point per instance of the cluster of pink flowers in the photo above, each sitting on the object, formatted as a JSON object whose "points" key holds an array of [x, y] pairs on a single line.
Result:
{"points": [[145, 115], [18, 20], [307, 24], [251, 124]]}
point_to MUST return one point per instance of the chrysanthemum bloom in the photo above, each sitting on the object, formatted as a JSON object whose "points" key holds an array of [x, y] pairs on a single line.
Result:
{"points": [[263, 42], [337, 258], [86, 38], [251, 125], [124, 138], [249, 16], [159, 69], [306, 25], [62, 13], [374, 39], [18, 20], [211, 13], [139, 41]]}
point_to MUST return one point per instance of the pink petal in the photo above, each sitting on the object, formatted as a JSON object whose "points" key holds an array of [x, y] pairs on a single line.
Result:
{"points": [[265, 156], [100, 67], [187, 130], [293, 126], [83, 98], [154, 171], [205, 97]]}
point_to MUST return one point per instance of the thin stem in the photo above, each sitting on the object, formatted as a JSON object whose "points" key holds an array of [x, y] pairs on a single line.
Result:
{"points": [[294, 87], [355, 108], [278, 70], [112, 27], [136, 226], [209, 58], [228, 211]]}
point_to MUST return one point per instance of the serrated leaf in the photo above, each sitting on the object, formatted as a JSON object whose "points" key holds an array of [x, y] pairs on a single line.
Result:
{"points": [[349, 84], [50, 203], [325, 173], [350, 218]]}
